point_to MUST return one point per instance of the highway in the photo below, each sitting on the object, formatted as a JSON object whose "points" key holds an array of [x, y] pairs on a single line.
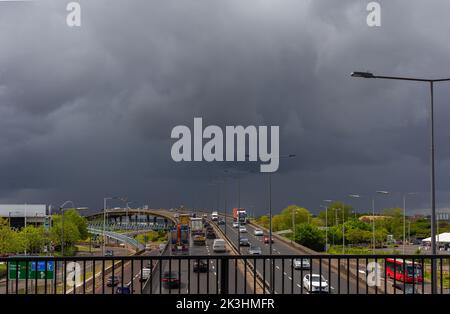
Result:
{"points": [[286, 279], [195, 282]]}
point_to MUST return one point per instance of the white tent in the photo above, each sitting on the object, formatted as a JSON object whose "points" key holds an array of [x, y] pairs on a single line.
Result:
{"points": [[441, 238]]}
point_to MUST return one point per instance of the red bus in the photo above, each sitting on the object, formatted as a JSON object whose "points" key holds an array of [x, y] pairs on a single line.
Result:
{"points": [[403, 270]]}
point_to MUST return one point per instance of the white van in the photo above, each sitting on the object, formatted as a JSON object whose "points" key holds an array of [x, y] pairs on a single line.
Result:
{"points": [[219, 245], [214, 216], [144, 274]]}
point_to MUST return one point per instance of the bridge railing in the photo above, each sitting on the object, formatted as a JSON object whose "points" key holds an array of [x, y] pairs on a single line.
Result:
{"points": [[226, 274]]}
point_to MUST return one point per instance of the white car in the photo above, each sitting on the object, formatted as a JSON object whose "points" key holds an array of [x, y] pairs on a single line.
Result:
{"points": [[315, 284], [258, 232], [302, 263], [242, 229], [235, 224]]}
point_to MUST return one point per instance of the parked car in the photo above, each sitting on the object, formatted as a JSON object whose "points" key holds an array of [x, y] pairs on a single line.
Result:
{"points": [[201, 266], [258, 232], [170, 280], [112, 281], [244, 242], [123, 290], [109, 253], [315, 283], [266, 239], [235, 224], [162, 246], [254, 250], [219, 245], [148, 247], [302, 263]]}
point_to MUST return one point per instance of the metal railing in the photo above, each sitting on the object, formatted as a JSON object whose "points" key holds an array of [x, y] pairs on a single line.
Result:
{"points": [[228, 274]]}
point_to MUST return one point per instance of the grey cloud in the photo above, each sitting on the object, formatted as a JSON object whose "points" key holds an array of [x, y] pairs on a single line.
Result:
{"points": [[88, 112]]}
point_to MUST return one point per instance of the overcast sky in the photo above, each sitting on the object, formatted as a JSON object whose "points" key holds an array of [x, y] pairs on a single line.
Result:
{"points": [[87, 112]]}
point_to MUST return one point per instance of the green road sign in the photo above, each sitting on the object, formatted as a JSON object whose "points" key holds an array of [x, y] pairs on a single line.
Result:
{"points": [[47, 223], [18, 270]]}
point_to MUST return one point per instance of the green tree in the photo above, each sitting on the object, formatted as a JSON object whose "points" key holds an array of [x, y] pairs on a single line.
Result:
{"points": [[10, 242], [34, 238], [289, 215], [337, 211], [79, 221], [310, 236], [263, 221], [73, 230]]}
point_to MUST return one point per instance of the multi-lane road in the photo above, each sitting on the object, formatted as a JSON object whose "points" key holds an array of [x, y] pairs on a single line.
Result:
{"points": [[285, 278], [198, 282]]}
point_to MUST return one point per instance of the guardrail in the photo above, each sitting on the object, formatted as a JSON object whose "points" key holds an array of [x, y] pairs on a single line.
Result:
{"points": [[119, 237], [292, 274]]}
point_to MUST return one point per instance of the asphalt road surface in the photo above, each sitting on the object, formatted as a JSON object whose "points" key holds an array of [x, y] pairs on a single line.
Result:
{"points": [[286, 279]]}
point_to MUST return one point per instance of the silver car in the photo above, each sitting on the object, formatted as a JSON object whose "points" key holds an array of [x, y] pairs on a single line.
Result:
{"points": [[254, 250], [302, 263]]}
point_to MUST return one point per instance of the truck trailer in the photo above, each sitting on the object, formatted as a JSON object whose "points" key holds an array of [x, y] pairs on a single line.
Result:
{"points": [[197, 231]]}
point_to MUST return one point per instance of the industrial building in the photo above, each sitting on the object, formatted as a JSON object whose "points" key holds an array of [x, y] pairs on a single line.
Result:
{"points": [[20, 215]]}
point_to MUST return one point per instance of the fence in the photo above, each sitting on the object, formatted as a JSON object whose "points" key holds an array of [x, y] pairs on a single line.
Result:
{"points": [[227, 274]]}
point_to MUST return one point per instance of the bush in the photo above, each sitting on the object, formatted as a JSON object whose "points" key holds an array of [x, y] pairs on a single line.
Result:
{"points": [[310, 236]]}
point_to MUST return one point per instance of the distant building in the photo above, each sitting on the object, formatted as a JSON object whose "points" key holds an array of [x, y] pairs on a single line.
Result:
{"points": [[370, 218], [20, 214], [443, 216]]}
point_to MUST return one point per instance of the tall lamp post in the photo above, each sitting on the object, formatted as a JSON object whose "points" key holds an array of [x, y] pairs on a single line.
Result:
{"points": [[104, 219], [326, 223], [62, 209], [373, 217], [431, 83], [270, 221], [238, 178], [404, 217]]}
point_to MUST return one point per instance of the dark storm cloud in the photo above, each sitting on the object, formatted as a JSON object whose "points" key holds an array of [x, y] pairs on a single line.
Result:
{"points": [[86, 113]]}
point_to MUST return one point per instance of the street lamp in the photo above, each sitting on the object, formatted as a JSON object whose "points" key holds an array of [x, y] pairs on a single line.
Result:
{"points": [[373, 217], [104, 218], [62, 208], [326, 224], [354, 196], [270, 221], [237, 173], [432, 158], [270, 204], [404, 217]]}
